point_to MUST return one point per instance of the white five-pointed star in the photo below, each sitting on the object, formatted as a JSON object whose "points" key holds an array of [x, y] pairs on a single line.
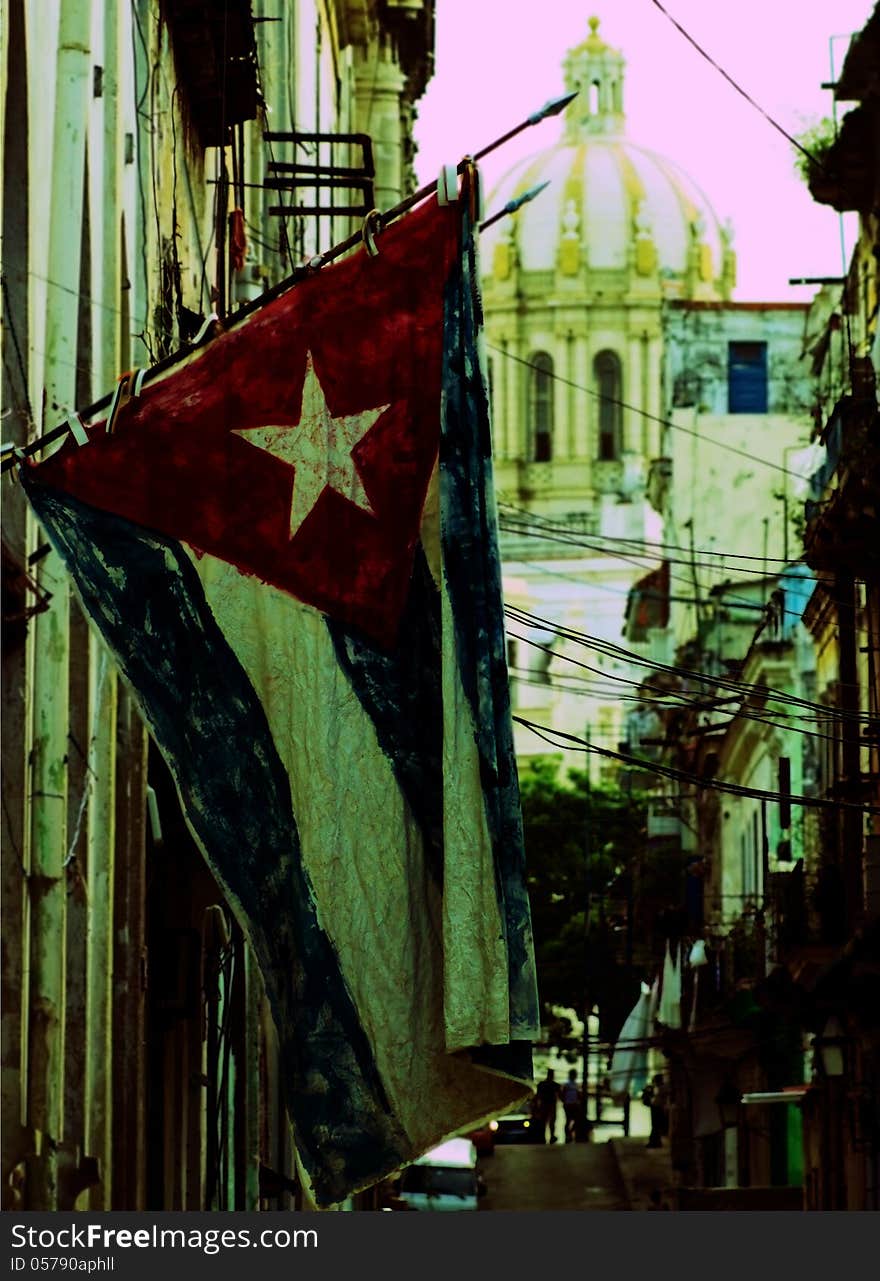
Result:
{"points": [[319, 448]]}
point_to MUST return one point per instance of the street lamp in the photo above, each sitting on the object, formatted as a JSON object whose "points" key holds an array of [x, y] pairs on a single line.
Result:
{"points": [[829, 1045], [728, 1100]]}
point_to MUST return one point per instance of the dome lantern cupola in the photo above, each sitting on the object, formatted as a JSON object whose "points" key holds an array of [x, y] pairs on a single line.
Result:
{"points": [[596, 71], [617, 221]]}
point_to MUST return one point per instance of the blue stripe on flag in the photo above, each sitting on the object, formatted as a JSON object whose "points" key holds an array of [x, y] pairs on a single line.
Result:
{"points": [[146, 597], [472, 569], [401, 692]]}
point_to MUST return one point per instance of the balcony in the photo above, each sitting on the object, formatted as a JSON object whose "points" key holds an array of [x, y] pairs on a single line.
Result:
{"points": [[608, 476], [847, 176], [215, 54], [807, 923], [841, 513], [534, 479], [518, 541]]}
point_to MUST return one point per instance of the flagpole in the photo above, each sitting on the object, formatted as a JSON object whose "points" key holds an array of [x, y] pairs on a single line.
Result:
{"points": [[550, 108]]}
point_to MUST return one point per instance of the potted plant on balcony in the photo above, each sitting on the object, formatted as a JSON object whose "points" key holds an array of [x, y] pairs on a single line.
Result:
{"points": [[811, 154]]}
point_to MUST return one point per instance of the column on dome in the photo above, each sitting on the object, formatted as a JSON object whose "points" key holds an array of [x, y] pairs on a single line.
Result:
{"points": [[645, 395], [560, 397], [504, 258], [567, 422], [514, 384], [699, 259], [646, 259], [631, 420], [728, 260], [655, 357], [582, 445], [569, 260], [500, 411]]}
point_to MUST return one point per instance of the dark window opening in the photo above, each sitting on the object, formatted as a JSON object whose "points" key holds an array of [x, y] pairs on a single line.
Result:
{"points": [[747, 378], [542, 407], [607, 378], [215, 56], [541, 667]]}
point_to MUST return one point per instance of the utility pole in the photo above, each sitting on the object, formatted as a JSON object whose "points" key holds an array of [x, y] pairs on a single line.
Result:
{"points": [[60, 222], [588, 852]]}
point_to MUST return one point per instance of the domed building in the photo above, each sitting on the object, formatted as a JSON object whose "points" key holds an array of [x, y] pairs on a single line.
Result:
{"points": [[610, 325], [619, 223], [575, 285]]}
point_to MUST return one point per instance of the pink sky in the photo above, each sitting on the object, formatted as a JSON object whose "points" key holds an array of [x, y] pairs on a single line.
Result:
{"points": [[498, 60]]}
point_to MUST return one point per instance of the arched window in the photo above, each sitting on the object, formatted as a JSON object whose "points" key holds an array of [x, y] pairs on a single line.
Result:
{"points": [[606, 376], [541, 407]]}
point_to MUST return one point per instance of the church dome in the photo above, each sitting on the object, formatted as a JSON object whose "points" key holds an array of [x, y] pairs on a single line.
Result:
{"points": [[612, 206]]}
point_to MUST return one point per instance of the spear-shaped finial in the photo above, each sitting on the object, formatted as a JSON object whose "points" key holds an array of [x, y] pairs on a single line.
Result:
{"points": [[552, 107], [516, 203]]}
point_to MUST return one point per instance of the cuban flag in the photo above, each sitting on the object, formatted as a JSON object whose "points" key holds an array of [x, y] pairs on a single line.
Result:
{"points": [[289, 546]]}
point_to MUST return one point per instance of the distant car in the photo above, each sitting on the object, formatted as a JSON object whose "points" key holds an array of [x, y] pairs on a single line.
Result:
{"points": [[483, 1139], [517, 1127], [446, 1178]]}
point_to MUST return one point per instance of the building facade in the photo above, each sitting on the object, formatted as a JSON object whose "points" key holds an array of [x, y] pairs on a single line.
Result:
{"points": [[842, 547], [577, 288], [163, 162], [772, 1043]]}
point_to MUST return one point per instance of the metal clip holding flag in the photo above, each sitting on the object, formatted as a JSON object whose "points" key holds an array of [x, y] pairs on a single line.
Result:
{"points": [[11, 452], [76, 429], [206, 324], [128, 387], [550, 108], [116, 403], [447, 185], [371, 227]]}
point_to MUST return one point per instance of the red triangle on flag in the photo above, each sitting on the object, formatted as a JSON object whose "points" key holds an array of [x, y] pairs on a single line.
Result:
{"points": [[333, 387]]}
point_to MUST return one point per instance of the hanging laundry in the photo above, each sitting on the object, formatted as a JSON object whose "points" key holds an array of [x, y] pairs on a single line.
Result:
{"points": [[669, 1012]]}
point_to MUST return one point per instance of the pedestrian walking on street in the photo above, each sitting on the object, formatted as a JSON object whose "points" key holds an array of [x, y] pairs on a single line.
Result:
{"points": [[656, 1096], [547, 1096], [571, 1102]]}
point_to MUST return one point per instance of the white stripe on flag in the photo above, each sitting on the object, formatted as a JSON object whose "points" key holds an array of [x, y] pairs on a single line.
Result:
{"points": [[363, 853]]}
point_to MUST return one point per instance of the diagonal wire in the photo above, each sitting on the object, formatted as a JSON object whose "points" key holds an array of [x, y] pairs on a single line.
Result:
{"points": [[739, 89]]}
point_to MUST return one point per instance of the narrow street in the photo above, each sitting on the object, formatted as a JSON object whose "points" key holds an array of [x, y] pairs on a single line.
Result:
{"points": [[573, 1176]]}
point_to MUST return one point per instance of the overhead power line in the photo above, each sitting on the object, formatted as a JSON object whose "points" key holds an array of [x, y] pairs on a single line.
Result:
{"points": [[658, 548], [719, 681], [738, 87], [569, 686], [538, 529], [730, 599], [686, 776], [685, 701], [559, 534]]}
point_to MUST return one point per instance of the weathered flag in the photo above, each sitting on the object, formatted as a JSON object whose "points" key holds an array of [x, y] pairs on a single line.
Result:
{"points": [[289, 545]]}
